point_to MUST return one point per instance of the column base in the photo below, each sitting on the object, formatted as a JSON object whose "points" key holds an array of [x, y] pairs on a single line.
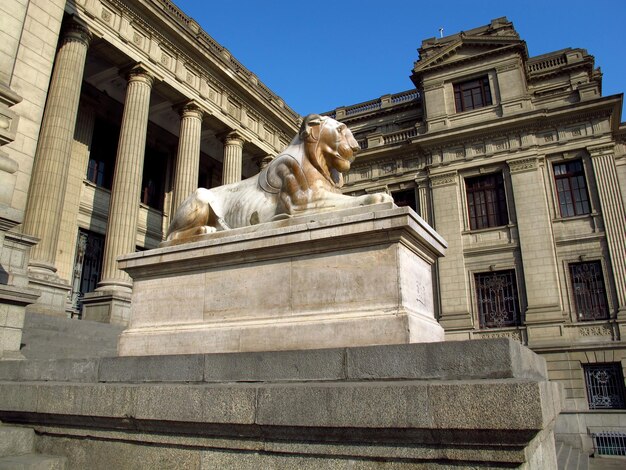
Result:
{"points": [[13, 301], [107, 306], [55, 292]]}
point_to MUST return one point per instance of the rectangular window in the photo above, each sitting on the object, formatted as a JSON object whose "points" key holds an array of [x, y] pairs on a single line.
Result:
{"points": [[102, 153], [605, 386], [571, 188], [472, 94], [486, 201], [405, 198], [496, 298], [589, 293]]}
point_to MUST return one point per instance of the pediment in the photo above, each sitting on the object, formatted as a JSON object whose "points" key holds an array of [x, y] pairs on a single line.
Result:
{"points": [[466, 48]]}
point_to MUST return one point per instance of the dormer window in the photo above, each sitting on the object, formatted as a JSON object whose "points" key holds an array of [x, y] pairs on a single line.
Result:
{"points": [[472, 94]]}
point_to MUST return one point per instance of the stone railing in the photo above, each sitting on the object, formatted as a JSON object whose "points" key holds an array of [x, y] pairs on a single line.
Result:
{"points": [[546, 64], [375, 104], [400, 136]]}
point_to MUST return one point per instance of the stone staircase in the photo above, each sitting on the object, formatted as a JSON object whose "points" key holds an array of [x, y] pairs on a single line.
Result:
{"points": [[17, 451], [570, 458], [47, 337]]}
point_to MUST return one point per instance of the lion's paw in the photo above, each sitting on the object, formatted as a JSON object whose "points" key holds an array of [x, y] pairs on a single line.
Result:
{"points": [[378, 198], [207, 229]]}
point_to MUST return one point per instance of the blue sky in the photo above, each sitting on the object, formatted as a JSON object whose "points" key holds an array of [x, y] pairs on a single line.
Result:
{"points": [[319, 55]]}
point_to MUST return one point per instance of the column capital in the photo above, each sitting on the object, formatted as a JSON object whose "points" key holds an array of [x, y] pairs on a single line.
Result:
{"points": [[602, 149], [233, 138], [190, 109], [75, 31], [140, 73]]}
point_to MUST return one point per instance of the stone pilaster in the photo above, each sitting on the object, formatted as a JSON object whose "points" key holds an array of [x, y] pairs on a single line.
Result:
{"points": [[614, 216], [423, 201], [52, 158], [536, 242], [454, 295], [233, 156], [188, 156], [111, 301]]}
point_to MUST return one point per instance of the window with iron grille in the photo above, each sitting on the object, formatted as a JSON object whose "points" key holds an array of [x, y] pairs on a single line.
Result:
{"points": [[486, 201], [589, 293], [571, 188], [496, 298], [605, 386], [472, 94]]}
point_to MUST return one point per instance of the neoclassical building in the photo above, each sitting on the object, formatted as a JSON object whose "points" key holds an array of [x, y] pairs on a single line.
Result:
{"points": [[520, 164], [112, 112], [126, 107]]}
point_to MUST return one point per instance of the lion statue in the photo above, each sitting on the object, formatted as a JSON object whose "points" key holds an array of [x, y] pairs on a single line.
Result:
{"points": [[303, 178]]}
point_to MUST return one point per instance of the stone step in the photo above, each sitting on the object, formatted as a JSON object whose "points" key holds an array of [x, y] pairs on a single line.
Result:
{"points": [[33, 462], [15, 440]]}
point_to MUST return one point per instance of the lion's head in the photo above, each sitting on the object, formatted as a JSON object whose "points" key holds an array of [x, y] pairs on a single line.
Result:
{"points": [[329, 146]]}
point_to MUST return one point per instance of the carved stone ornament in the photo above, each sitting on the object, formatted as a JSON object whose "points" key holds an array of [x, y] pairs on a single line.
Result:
{"points": [[523, 164], [303, 178], [443, 179]]}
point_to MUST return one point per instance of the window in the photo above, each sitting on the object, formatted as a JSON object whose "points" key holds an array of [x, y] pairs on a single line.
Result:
{"points": [[496, 298], [605, 386], [405, 199], [486, 201], [571, 188], [589, 293], [102, 153], [87, 265], [472, 94], [153, 181]]}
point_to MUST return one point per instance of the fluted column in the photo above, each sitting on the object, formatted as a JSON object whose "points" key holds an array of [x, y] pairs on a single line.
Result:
{"points": [[233, 156], [614, 216], [188, 156], [124, 205], [52, 157]]}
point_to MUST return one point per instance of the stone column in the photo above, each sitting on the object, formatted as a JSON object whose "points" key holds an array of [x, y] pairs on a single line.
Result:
{"points": [[614, 217], [188, 156], [536, 242], [454, 295], [422, 200], [111, 301], [233, 156], [52, 158]]}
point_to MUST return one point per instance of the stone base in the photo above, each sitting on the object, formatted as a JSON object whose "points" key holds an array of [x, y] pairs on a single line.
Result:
{"points": [[54, 298], [461, 405], [347, 278], [107, 307], [13, 301]]}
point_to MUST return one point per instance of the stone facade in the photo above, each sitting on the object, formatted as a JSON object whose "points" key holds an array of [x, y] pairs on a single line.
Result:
{"points": [[520, 164], [141, 107]]}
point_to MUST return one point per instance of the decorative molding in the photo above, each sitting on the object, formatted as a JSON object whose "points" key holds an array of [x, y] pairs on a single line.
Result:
{"points": [[602, 149], [443, 179], [523, 164], [515, 335], [599, 330]]}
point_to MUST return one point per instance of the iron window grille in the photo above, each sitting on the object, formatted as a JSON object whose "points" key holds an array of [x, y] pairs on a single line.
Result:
{"points": [[497, 300], [609, 443], [486, 201], [605, 386], [571, 188], [472, 94], [589, 292]]}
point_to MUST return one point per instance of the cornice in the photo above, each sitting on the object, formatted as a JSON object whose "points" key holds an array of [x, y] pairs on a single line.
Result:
{"points": [[155, 46]]}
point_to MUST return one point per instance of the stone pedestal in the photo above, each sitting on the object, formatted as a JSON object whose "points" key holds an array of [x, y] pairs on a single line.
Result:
{"points": [[355, 277], [458, 404]]}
